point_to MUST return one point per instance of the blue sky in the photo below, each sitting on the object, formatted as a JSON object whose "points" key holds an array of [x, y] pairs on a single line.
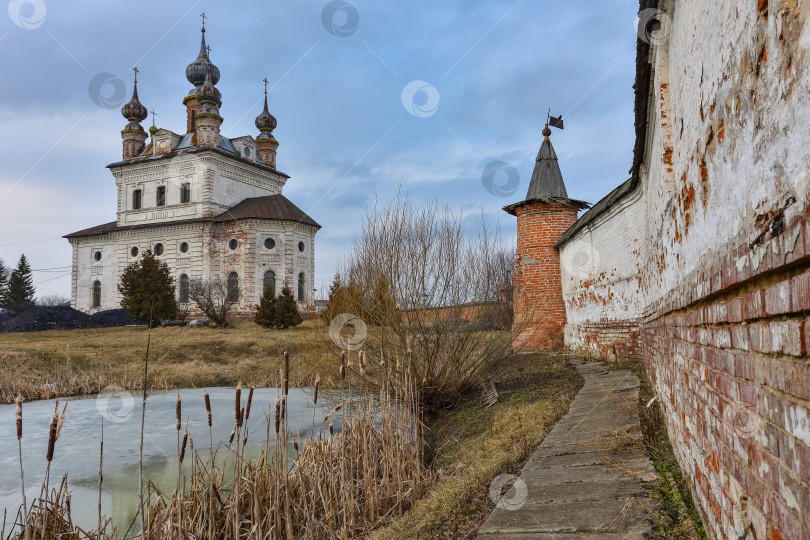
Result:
{"points": [[367, 94]]}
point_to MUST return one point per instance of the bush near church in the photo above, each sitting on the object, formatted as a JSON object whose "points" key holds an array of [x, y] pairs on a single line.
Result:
{"points": [[147, 290], [281, 312]]}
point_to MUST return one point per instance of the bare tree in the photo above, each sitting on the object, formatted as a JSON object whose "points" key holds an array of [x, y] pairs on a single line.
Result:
{"points": [[53, 300], [446, 277], [214, 298]]}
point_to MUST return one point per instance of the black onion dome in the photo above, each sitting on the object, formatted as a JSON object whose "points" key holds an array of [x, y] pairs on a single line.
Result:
{"points": [[207, 92], [196, 71], [266, 121], [134, 111]]}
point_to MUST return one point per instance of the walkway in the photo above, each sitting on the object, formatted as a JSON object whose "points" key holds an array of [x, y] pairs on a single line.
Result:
{"points": [[587, 478]]}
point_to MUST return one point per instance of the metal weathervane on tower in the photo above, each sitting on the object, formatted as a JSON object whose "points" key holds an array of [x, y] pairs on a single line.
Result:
{"points": [[554, 122]]}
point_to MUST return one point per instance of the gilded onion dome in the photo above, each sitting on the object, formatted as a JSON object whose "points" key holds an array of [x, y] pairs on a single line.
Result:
{"points": [[266, 122], [202, 66]]}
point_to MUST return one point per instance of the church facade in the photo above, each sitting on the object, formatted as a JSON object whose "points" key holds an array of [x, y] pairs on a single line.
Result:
{"points": [[209, 206]]}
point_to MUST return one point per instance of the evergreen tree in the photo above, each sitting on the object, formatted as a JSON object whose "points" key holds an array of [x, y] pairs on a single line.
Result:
{"points": [[266, 311], [287, 310], [3, 281], [147, 288], [344, 298], [20, 287]]}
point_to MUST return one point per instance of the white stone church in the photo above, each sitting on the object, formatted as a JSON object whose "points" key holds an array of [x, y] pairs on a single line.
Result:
{"points": [[209, 206]]}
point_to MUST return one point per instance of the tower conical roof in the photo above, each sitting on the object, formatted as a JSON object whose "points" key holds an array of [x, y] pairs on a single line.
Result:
{"points": [[547, 180], [546, 185]]}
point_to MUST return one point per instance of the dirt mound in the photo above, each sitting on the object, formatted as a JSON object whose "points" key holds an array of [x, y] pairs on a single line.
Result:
{"points": [[40, 318], [113, 317]]}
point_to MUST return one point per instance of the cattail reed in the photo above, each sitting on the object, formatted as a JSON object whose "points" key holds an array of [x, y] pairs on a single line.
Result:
{"points": [[18, 414], [317, 386], [233, 434], [178, 408], [183, 446], [208, 408], [250, 401], [52, 435], [286, 373], [238, 402], [61, 421], [343, 365], [278, 413], [240, 419], [362, 363]]}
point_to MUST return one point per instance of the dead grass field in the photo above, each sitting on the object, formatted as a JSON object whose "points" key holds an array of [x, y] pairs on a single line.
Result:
{"points": [[469, 445], [42, 365]]}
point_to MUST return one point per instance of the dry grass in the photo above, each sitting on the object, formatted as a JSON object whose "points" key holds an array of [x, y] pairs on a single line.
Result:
{"points": [[44, 365], [471, 445]]}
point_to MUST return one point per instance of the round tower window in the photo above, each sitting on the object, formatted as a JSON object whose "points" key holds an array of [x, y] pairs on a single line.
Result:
{"points": [[269, 243], [233, 244], [301, 247], [158, 249], [97, 255], [133, 251], [184, 247], [247, 152]]}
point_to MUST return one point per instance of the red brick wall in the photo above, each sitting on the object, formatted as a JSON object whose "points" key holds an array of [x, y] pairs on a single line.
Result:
{"points": [[538, 298], [727, 353]]}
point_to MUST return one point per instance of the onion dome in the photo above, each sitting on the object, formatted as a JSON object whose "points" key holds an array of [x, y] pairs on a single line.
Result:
{"points": [[199, 68], [266, 122], [208, 95], [134, 111]]}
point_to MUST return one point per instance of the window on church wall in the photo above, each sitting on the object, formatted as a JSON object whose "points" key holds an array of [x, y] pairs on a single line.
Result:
{"points": [[301, 282], [182, 289], [233, 244], [136, 199], [183, 247], [185, 192], [233, 287], [270, 282], [161, 196], [301, 247], [97, 256], [158, 249], [96, 301], [269, 243], [133, 251]]}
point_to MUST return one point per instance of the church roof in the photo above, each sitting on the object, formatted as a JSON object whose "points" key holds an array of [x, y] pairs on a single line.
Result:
{"points": [[276, 207], [271, 207]]}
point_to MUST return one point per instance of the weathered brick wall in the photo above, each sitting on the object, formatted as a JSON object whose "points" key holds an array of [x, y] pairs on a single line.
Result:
{"points": [[601, 281], [722, 172], [725, 277], [538, 299]]}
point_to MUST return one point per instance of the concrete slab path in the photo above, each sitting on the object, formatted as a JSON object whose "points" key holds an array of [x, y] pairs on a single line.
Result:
{"points": [[587, 478]]}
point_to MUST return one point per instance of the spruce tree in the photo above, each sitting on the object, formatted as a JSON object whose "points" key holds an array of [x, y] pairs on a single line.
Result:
{"points": [[287, 310], [147, 288], [267, 310], [19, 290]]}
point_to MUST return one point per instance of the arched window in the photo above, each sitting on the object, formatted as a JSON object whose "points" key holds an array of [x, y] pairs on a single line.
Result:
{"points": [[301, 279], [182, 289], [270, 281], [233, 287], [96, 294]]}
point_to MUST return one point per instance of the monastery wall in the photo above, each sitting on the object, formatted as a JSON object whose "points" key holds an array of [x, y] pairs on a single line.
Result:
{"points": [[721, 239], [600, 267]]}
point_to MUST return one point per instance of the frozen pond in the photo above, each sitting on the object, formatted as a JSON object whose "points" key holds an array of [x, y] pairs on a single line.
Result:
{"points": [[77, 450]]}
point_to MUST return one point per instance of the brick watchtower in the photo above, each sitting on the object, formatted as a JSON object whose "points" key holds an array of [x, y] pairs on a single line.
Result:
{"points": [[542, 218]]}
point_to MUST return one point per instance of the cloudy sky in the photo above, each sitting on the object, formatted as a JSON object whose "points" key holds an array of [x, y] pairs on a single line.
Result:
{"points": [[367, 94]]}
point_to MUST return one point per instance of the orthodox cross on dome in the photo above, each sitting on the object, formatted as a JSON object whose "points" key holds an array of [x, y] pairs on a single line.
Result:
{"points": [[154, 114], [208, 48], [265, 85], [135, 69], [203, 18]]}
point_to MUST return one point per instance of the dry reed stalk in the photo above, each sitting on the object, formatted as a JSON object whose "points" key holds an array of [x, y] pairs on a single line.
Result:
{"points": [[18, 417]]}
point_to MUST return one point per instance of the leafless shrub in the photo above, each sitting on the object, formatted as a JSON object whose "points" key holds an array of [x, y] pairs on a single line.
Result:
{"points": [[213, 298], [53, 300], [435, 289]]}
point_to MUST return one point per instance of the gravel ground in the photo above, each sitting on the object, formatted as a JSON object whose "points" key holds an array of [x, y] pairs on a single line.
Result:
{"points": [[42, 318]]}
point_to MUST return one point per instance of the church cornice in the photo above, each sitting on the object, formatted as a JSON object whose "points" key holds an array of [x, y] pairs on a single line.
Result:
{"points": [[196, 151]]}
